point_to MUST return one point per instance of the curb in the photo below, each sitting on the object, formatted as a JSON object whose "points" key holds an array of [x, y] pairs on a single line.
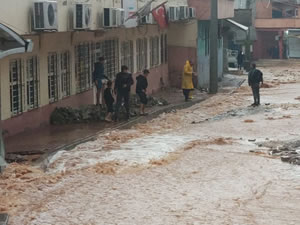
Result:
{"points": [[123, 125], [127, 125]]}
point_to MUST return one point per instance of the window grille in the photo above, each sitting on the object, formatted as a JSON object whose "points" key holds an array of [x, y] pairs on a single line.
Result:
{"points": [[154, 54], [52, 77], [83, 67], [65, 74], [109, 49], [127, 55], [141, 54], [32, 82], [16, 86]]}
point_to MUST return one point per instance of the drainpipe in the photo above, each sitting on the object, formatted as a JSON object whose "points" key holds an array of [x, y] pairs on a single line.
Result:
{"points": [[280, 44]]}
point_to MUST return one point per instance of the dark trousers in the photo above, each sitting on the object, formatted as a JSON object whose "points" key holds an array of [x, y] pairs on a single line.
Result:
{"points": [[120, 97], [186, 93], [255, 91], [240, 66]]}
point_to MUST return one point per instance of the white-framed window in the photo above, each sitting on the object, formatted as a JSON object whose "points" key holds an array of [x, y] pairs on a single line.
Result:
{"points": [[65, 74], [109, 49], [154, 51], [16, 80], [127, 58], [32, 82], [141, 54], [52, 77], [83, 67]]}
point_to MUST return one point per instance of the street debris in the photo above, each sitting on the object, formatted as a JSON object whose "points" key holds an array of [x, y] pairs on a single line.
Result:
{"points": [[90, 113]]}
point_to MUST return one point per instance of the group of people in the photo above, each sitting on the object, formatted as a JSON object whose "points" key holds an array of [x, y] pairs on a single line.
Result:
{"points": [[122, 87], [124, 81], [255, 80]]}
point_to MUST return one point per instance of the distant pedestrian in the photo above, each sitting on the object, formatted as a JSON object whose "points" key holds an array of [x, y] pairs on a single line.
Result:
{"points": [[98, 77], [255, 77], [187, 80], [240, 60], [122, 88], [141, 90], [109, 101]]}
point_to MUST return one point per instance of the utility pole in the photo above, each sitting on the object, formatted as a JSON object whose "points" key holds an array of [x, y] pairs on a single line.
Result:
{"points": [[213, 81]]}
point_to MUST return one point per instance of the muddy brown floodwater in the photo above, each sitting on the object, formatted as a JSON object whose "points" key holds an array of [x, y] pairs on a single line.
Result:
{"points": [[195, 166]]}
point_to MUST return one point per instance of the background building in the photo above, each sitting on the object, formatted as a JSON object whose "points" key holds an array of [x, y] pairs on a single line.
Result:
{"points": [[68, 40]]}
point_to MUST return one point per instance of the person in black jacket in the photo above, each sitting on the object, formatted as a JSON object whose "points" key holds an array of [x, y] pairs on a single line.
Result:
{"points": [[255, 77], [141, 90], [98, 77], [122, 87], [240, 60], [109, 101]]}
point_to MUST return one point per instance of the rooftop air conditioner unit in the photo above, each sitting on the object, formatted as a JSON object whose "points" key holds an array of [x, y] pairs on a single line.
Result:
{"points": [[82, 16], [173, 13], [182, 12], [110, 17], [120, 17], [45, 15], [192, 12]]}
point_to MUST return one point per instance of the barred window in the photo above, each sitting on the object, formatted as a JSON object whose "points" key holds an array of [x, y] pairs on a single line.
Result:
{"points": [[154, 51], [83, 67], [65, 74], [141, 54], [32, 82], [16, 86], [52, 77], [109, 49], [127, 55]]}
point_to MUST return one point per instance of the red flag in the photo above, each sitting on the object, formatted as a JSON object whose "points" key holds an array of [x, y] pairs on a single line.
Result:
{"points": [[160, 15]]}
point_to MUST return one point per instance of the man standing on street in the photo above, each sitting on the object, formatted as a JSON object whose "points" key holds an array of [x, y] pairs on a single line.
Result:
{"points": [[141, 90], [98, 77], [123, 84], [255, 77]]}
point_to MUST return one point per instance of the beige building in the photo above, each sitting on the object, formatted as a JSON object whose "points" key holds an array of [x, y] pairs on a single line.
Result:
{"points": [[58, 70]]}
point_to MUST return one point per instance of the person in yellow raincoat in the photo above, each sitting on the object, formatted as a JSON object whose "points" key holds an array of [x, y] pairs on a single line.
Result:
{"points": [[187, 80]]}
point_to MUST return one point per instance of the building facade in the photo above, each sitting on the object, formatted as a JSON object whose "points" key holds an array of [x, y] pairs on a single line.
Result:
{"points": [[225, 11], [58, 71]]}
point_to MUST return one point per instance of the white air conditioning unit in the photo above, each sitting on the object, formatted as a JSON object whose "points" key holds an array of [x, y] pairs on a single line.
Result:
{"points": [[110, 17], [173, 13], [182, 12], [148, 19], [45, 15], [120, 17], [192, 12], [82, 16]]}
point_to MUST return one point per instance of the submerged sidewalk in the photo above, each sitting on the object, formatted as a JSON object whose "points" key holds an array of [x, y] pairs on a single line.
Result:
{"points": [[52, 138]]}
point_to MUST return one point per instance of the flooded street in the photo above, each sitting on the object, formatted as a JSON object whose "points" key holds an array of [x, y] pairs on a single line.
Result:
{"points": [[203, 165]]}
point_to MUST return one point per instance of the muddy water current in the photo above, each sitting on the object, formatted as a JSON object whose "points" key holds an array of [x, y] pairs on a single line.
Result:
{"points": [[175, 169]]}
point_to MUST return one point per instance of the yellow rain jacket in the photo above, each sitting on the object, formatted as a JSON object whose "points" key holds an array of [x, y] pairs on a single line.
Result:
{"points": [[187, 78]]}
